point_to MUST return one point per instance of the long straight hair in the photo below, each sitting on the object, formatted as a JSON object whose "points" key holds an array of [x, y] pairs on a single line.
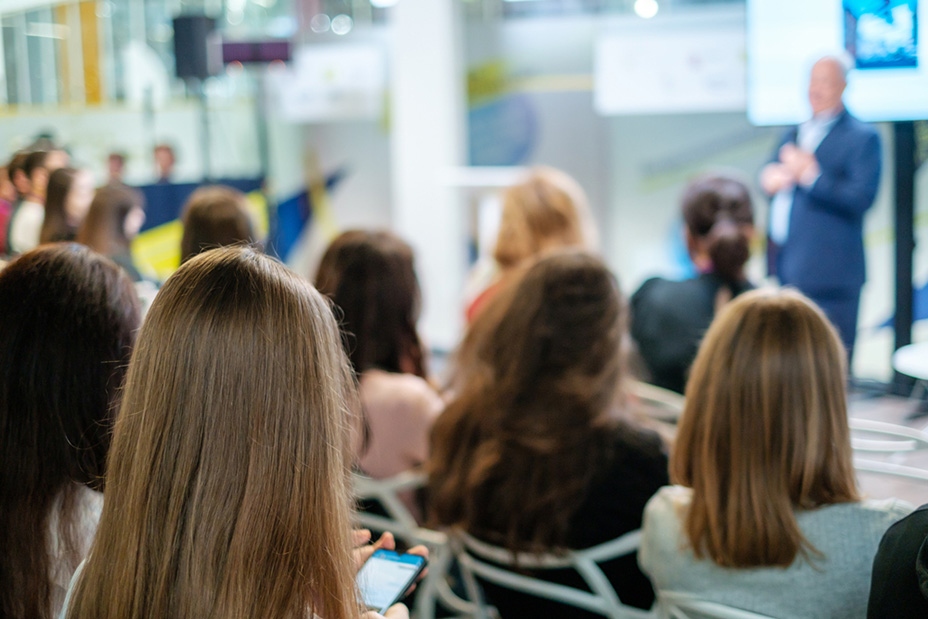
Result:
{"points": [[764, 431], [370, 276], [55, 226], [514, 454], [228, 491], [104, 228], [67, 323]]}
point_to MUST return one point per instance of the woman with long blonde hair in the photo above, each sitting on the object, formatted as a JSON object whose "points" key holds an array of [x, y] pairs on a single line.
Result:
{"points": [[766, 515], [228, 488], [545, 211]]}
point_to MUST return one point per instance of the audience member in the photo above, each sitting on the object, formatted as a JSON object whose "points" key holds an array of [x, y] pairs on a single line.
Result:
{"points": [[371, 279], [766, 516], [70, 192], [546, 211], [8, 197], [214, 217], [228, 488], [532, 455], [899, 587], [822, 180], [114, 219], [17, 174], [669, 318], [67, 322], [27, 218], [164, 162], [115, 167]]}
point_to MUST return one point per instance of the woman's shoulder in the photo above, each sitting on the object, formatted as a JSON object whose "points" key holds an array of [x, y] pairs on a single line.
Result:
{"points": [[395, 390], [868, 510]]}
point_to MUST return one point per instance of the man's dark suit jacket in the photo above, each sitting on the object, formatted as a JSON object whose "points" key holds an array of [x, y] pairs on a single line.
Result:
{"points": [[824, 251]]}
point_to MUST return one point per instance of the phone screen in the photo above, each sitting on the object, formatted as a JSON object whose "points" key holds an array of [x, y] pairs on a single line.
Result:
{"points": [[386, 576]]}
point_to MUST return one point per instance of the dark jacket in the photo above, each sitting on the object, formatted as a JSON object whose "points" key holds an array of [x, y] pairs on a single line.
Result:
{"points": [[824, 251]]}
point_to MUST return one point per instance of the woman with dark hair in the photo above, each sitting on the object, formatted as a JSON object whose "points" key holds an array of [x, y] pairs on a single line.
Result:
{"points": [[669, 318], [214, 217], [766, 515], [114, 219], [228, 488], [532, 455], [70, 192], [371, 279], [68, 319]]}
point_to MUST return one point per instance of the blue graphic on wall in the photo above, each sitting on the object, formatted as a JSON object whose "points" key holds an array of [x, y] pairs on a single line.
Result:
{"points": [[503, 132]]}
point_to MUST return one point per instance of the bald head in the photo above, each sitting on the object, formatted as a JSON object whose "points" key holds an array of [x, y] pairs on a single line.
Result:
{"points": [[827, 82]]}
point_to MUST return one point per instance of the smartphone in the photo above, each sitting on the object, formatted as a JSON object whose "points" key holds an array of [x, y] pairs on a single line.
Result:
{"points": [[386, 577]]}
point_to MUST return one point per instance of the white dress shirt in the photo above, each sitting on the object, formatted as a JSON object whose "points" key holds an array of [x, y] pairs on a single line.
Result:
{"points": [[808, 138]]}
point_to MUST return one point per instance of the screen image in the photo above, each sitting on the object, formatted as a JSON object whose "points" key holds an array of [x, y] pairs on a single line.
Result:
{"points": [[889, 69], [385, 577], [881, 34]]}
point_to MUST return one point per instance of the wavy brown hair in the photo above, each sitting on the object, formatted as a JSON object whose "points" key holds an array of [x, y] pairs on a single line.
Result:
{"points": [[764, 431], [514, 454], [370, 276], [228, 491], [68, 319]]}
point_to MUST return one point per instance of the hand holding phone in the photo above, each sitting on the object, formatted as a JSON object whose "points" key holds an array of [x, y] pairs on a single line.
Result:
{"points": [[386, 576]]}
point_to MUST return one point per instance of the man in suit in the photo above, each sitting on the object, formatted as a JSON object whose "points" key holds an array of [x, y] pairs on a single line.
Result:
{"points": [[822, 181]]}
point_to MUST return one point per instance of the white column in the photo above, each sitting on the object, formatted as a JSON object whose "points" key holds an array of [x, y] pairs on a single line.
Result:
{"points": [[427, 139]]}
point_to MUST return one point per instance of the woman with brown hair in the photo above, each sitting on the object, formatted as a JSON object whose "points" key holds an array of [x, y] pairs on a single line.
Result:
{"points": [[532, 455], [228, 486], [766, 515], [669, 318], [548, 210], [67, 323], [214, 217], [114, 219], [67, 201], [371, 279]]}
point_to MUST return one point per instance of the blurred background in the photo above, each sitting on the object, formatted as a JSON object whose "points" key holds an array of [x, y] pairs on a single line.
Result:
{"points": [[412, 114]]}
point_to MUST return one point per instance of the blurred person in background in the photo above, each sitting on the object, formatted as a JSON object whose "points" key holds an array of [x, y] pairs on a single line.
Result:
{"points": [[822, 180], [113, 220], [546, 211], [68, 318], [165, 159], [669, 318], [70, 192], [213, 217], [115, 168], [371, 279], [26, 220], [8, 197]]}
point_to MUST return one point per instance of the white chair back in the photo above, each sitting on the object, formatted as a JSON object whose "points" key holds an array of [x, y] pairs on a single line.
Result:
{"points": [[494, 564], [675, 605], [401, 522], [894, 442], [657, 403]]}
